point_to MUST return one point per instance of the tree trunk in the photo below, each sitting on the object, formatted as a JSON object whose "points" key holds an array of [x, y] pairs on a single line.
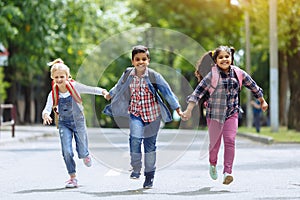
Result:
{"points": [[294, 78], [27, 97], [283, 88], [11, 91]]}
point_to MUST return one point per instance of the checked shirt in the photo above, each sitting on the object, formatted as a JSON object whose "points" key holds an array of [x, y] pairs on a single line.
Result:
{"points": [[142, 102]]}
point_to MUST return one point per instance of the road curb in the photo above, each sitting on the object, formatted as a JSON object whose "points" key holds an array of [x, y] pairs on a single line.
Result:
{"points": [[257, 137]]}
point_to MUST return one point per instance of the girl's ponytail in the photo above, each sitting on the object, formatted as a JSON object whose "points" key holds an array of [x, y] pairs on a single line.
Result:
{"points": [[232, 50], [58, 64], [57, 60]]}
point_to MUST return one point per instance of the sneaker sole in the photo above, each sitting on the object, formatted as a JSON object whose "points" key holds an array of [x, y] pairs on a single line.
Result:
{"points": [[134, 178], [71, 186], [228, 180], [148, 187]]}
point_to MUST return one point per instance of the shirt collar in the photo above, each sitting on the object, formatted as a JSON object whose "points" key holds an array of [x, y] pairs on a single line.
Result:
{"points": [[132, 73]]}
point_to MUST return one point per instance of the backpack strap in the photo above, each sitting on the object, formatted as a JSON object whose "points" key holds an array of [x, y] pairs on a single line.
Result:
{"points": [[151, 74], [214, 79], [239, 73], [126, 74]]}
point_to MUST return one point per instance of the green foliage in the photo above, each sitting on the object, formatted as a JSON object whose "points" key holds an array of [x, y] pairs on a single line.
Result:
{"points": [[37, 33], [3, 86], [211, 23], [284, 135]]}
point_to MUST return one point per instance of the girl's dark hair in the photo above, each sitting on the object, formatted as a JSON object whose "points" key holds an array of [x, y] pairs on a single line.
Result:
{"points": [[229, 50], [204, 65], [139, 49]]}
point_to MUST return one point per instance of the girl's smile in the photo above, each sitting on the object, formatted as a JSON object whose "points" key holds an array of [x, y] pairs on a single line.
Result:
{"points": [[224, 61], [60, 78]]}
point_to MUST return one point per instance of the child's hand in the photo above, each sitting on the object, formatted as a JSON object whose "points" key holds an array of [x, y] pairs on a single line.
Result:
{"points": [[47, 120], [179, 111], [264, 106], [186, 115], [107, 96]]}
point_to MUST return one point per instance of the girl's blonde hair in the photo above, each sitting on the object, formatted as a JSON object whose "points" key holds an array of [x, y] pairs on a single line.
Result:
{"points": [[58, 64]]}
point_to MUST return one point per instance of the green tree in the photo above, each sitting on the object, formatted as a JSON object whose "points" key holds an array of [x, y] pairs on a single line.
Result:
{"points": [[3, 86], [36, 33], [288, 22]]}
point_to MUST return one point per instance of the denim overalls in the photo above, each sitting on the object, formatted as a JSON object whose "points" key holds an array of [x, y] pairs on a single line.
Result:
{"points": [[72, 122]]}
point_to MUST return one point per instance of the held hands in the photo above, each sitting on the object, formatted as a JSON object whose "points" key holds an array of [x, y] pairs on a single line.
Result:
{"points": [[179, 111], [186, 115], [106, 95], [47, 120]]}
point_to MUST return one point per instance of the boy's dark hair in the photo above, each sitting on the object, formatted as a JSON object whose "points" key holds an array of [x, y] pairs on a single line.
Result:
{"points": [[229, 50], [139, 49]]}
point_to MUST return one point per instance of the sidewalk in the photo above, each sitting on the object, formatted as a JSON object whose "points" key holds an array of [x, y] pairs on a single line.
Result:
{"points": [[25, 132], [30, 132]]}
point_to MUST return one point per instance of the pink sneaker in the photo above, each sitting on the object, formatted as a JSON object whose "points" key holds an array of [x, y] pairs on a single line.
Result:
{"points": [[72, 183], [87, 161]]}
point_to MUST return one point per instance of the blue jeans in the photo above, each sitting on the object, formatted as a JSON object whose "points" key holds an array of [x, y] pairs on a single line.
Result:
{"points": [[256, 118], [72, 124], [147, 133]]}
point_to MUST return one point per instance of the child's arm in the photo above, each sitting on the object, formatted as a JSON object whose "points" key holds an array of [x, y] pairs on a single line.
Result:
{"points": [[85, 89], [47, 110], [188, 112]]}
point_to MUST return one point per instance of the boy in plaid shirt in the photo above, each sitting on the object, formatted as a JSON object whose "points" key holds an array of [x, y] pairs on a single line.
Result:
{"points": [[137, 98]]}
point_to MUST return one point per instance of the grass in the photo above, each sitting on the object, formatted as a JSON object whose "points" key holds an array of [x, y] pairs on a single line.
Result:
{"points": [[283, 135]]}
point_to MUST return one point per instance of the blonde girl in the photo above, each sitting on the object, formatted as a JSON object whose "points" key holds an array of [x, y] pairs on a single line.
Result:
{"points": [[64, 99]]}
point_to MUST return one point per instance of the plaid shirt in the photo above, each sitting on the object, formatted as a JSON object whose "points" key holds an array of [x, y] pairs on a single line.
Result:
{"points": [[142, 102], [224, 101]]}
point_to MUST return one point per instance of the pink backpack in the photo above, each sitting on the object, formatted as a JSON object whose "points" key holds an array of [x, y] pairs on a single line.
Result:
{"points": [[215, 77]]}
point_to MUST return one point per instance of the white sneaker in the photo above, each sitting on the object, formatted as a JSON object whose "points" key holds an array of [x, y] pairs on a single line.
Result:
{"points": [[72, 183], [228, 178], [87, 161]]}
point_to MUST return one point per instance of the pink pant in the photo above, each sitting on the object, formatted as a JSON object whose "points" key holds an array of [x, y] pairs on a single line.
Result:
{"points": [[228, 131]]}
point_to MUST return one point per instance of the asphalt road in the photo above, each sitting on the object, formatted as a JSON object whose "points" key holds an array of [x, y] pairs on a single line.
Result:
{"points": [[34, 169]]}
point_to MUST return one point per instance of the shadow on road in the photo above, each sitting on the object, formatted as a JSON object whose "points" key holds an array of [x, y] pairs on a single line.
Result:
{"points": [[201, 191], [42, 190]]}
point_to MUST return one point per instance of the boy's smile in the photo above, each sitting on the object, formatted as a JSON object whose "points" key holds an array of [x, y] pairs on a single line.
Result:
{"points": [[140, 62]]}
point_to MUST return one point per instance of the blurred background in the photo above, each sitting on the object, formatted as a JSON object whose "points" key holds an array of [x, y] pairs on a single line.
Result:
{"points": [[34, 32]]}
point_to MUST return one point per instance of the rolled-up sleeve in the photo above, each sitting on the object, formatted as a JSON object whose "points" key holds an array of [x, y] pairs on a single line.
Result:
{"points": [[200, 90]]}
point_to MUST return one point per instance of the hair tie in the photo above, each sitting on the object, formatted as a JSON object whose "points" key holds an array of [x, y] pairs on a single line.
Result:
{"points": [[212, 53]]}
